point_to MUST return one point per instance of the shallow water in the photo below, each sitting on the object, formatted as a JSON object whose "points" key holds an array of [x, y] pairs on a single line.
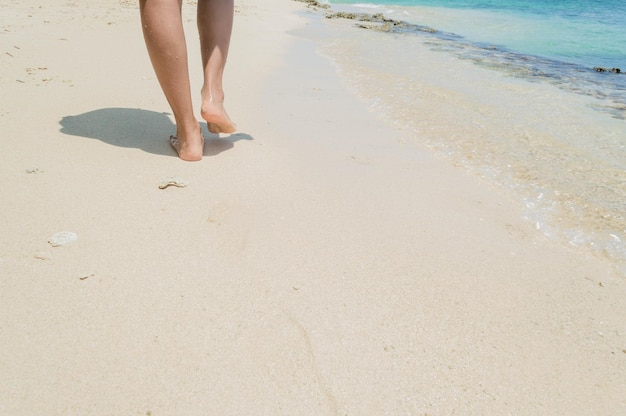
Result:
{"points": [[556, 138], [585, 32], [561, 47]]}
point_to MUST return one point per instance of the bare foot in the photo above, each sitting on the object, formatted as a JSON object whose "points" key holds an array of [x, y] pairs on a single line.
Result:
{"points": [[216, 118], [187, 151]]}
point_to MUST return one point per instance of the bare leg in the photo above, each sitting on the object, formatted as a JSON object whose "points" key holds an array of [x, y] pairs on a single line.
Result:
{"points": [[163, 31], [215, 24]]}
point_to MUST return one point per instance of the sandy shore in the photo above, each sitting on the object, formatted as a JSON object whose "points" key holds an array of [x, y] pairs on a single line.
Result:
{"points": [[313, 264]]}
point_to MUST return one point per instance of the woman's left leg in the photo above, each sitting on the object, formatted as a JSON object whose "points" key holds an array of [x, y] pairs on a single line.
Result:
{"points": [[165, 39]]}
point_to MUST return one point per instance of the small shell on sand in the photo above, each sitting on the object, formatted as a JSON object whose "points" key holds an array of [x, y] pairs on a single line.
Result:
{"points": [[62, 238], [180, 183]]}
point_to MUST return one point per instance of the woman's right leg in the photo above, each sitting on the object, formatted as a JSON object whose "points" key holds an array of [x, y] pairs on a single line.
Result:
{"points": [[215, 24], [165, 39]]}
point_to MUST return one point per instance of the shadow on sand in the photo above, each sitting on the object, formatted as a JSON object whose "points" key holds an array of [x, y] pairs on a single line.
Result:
{"points": [[140, 129]]}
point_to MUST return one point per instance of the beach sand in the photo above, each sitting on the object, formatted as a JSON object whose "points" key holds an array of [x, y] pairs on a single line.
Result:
{"points": [[315, 263]]}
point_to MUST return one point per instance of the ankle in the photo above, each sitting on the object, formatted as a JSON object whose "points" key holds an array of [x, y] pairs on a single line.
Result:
{"points": [[187, 129], [212, 95]]}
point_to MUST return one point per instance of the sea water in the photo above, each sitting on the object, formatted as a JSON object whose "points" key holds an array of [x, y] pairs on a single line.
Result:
{"points": [[508, 89], [585, 32]]}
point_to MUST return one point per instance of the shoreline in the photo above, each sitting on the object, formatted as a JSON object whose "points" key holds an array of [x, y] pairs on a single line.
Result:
{"points": [[500, 125], [316, 263], [447, 19], [594, 80]]}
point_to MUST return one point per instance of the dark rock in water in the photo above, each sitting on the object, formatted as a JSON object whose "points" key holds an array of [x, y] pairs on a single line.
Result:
{"points": [[603, 69], [379, 17], [341, 15], [385, 24]]}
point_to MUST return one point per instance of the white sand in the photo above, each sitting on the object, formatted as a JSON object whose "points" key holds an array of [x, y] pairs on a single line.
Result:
{"points": [[313, 264]]}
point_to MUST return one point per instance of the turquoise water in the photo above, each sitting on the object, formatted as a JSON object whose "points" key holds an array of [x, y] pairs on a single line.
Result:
{"points": [[555, 41], [585, 32], [476, 82]]}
